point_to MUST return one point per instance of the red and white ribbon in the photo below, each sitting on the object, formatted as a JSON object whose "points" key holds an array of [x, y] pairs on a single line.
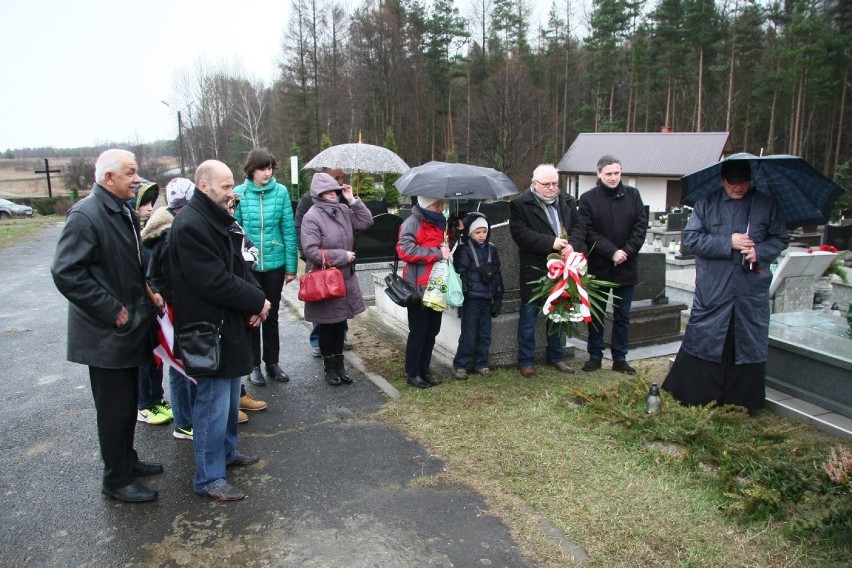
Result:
{"points": [[166, 340], [572, 265]]}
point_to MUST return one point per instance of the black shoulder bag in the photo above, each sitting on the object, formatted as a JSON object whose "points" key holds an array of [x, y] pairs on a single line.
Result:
{"points": [[398, 290]]}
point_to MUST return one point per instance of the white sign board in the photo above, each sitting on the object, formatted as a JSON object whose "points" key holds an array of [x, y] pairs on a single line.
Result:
{"points": [[800, 264]]}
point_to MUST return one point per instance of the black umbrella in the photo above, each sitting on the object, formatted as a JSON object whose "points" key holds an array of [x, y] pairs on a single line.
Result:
{"points": [[442, 180], [804, 196]]}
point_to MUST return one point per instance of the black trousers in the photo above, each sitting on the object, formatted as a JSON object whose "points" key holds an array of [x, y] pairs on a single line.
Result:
{"points": [[115, 392], [272, 282], [331, 338], [424, 324]]}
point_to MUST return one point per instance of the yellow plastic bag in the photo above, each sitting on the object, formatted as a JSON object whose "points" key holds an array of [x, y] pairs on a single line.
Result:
{"points": [[435, 295]]}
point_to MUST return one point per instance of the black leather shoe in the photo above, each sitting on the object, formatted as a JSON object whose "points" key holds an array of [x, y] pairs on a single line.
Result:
{"points": [[428, 378], [276, 373], [418, 382], [142, 469], [243, 460], [623, 367], [256, 377], [133, 493]]}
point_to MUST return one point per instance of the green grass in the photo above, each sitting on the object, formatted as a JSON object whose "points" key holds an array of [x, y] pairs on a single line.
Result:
{"points": [[13, 231], [592, 470]]}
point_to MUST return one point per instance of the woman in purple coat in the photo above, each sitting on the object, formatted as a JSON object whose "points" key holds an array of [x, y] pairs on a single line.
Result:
{"points": [[329, 226]]}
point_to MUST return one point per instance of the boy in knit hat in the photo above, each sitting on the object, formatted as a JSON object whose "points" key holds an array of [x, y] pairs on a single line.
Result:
{"points": [[478, 263]]}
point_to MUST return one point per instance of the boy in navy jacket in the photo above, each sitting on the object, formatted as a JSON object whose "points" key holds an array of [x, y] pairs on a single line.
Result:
{"points": [[478, 263]]}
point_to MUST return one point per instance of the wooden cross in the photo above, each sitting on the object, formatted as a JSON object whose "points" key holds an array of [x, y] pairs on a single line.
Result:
{"points": [[47, 171]]}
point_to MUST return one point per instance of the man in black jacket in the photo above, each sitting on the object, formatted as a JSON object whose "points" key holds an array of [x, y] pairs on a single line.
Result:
{"points": [[542, 220], [614, 217], [210, 283], [98, 268]]}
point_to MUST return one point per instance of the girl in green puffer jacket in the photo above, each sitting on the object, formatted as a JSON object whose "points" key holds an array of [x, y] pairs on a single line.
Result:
{"points": [[266, 215]]}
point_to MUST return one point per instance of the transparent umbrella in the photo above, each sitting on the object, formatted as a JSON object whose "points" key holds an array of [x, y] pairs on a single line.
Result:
{"points": [[358, 157]]}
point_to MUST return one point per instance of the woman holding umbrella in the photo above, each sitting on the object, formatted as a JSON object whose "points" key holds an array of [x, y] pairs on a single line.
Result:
{"points": [[328, 230], [735, 233], [421, 244]]}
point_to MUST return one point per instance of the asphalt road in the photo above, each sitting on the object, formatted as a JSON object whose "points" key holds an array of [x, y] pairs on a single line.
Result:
{"points": [[333, 488]]}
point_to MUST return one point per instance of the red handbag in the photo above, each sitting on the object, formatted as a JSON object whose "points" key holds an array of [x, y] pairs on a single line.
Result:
{"points": [[325, 283]]}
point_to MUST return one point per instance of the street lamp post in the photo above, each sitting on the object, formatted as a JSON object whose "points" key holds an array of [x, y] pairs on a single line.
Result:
{"points": [[180, 138]]}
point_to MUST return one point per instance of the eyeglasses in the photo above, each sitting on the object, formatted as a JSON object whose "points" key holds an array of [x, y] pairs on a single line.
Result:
{"points": [[549, 184]]}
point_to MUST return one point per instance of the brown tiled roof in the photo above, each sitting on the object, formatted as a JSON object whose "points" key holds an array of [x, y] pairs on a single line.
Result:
{"points": [[645, 153]]}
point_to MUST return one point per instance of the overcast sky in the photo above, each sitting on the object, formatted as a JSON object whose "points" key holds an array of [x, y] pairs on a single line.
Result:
{"points": [[86, 72]]}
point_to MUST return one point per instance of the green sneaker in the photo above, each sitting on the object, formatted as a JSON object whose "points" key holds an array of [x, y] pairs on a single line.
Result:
{"points": [[182, 433], [151, 416], [164, 407]]}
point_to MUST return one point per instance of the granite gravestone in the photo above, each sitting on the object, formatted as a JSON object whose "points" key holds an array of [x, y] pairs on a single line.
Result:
{"points": [[376, 206], [509, 265], [838, 236], [375, 249], [497, 211], [793, 282], [378, 243]]}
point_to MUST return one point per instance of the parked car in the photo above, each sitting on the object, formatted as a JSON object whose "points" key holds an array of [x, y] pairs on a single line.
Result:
{"points": [[9, 209]]}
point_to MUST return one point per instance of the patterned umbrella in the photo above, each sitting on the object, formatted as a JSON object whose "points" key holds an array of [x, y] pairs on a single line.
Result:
{"points": [[455, 181], [358, 157], [804, 196]]}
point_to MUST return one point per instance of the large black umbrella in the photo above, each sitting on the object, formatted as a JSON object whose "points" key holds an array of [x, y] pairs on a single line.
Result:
{"points": [[455, 181], [804, 196]]}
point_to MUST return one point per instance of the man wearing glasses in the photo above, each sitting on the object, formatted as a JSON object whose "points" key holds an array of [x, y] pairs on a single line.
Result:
{"points": [[542, 220]]}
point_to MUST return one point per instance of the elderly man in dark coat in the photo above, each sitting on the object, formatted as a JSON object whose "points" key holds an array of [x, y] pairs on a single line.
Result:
{"points": [[735, 234], [210, 283], [328, 230], [615, 222], [98, 268], [542, 220]]}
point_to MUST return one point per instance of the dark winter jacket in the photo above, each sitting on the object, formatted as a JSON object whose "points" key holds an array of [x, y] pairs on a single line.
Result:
{"points": [[532, 232], [155, 236], [614, 219], [722, 287], [419, 247], [266, 215], [97, 267], [331, 227], [466, 265], [210, 281]]}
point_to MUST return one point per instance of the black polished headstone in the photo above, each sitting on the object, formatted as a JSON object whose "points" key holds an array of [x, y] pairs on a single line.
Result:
{"points": [[652, 278], [839, 236], [378, 243], [376, 206], [497, 212], [677, 221]]}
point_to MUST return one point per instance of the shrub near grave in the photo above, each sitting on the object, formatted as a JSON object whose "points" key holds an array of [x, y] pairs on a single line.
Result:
{"points": [[764, 473]]}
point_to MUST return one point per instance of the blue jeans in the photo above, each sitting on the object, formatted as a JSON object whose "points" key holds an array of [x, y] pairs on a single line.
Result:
{"points": [[150, 385], [620, 326], [214, 424], [528, 317], [314, 337], [183, 393], [423, 326], [475, 338]]}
